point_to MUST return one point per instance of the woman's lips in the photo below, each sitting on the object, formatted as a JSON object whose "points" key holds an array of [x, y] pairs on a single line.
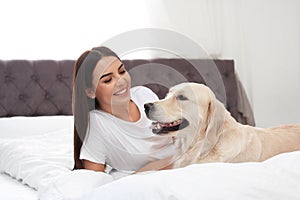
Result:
{"points": [[121, 92]]}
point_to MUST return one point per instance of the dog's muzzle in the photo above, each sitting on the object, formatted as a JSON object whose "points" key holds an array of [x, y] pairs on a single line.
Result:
{"points": [[164, 128]]}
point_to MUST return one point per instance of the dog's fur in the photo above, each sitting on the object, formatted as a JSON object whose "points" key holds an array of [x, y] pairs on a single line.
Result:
{"points": [[211, 134]]}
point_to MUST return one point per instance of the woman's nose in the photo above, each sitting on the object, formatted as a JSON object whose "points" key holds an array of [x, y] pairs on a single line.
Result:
{"points": [[120, 80]]}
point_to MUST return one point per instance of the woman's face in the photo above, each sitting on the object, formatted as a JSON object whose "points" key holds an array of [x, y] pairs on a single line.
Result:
{"points": [[111, 83]]}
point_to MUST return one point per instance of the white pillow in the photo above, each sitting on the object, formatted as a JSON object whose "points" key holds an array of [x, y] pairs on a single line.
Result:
{"points": [[19, 126], [45, 163], [36, 159]]}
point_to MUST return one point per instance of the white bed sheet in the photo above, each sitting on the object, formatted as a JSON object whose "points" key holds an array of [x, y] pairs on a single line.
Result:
{"points": [[11, 189]]}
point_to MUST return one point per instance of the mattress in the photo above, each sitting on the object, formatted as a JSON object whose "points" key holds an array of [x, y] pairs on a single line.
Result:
{"points": [[36, 161]]}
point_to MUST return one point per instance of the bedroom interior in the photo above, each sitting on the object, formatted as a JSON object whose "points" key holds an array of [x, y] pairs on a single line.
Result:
{"points": [[256, 56]]}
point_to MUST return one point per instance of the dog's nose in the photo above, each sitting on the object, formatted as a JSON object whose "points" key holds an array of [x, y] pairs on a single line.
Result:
{"points": [[147, 107]]}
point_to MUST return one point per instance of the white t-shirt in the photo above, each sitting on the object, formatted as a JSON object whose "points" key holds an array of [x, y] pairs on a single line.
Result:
{"points": [[125, 145]]}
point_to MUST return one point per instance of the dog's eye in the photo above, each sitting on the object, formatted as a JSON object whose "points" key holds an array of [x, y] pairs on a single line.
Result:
{"points": [[181, 98]]}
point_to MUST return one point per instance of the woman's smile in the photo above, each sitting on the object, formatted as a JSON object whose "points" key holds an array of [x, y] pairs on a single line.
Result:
{"points": [[121, 92]]}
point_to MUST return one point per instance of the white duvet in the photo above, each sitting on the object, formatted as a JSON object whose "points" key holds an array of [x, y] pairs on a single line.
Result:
{"points": [[277, 178], [40, 155]]}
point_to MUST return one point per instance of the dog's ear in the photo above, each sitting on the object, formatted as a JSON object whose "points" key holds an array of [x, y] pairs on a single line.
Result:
{"points": [[216, 113]]}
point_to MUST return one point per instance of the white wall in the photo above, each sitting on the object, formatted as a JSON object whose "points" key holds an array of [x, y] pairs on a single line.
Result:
{"points": [[61, 29], [261, 36], [273, 38]]}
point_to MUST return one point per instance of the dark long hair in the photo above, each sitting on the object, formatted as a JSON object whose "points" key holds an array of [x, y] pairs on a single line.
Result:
{"points": [[82, 104]]}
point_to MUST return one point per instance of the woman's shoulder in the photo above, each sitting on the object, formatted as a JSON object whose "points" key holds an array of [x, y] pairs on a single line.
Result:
{"points": [[96, 115]]}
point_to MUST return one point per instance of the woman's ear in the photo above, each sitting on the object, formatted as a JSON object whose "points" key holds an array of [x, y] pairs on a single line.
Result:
{"points": [[90, 93]]}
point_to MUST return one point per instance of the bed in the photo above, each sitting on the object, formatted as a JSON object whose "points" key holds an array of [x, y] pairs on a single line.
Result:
{"points": [[36, 139]]}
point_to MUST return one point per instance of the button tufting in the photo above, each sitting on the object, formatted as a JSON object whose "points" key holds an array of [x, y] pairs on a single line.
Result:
{"points": [[22, 97], [8, 79], [34, 77], [47, 95], [59, 77]]}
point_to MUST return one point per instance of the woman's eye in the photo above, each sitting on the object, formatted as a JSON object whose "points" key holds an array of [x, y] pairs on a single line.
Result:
{"points": [[122, 72], [107, 81], [181, 98]]}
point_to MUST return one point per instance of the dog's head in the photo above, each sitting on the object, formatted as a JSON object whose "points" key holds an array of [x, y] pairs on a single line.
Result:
{"points": [[188, 108]]}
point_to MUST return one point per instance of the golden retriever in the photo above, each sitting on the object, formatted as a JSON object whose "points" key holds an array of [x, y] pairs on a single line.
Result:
{"points": [[206, 132]]}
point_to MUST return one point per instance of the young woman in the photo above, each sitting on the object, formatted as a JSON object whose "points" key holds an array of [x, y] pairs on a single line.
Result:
{"points": [[110, 126]]}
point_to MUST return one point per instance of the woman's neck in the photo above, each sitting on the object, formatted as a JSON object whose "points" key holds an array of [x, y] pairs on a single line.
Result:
{"points": [[127, 112]]}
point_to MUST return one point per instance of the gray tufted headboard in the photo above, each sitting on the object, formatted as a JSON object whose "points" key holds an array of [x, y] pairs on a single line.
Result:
{"points": [[44, 87], [35, 88]]}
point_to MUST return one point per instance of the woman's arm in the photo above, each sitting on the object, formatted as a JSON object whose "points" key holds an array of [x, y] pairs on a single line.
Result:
{"points": [[157, 165], [93, 166]]}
